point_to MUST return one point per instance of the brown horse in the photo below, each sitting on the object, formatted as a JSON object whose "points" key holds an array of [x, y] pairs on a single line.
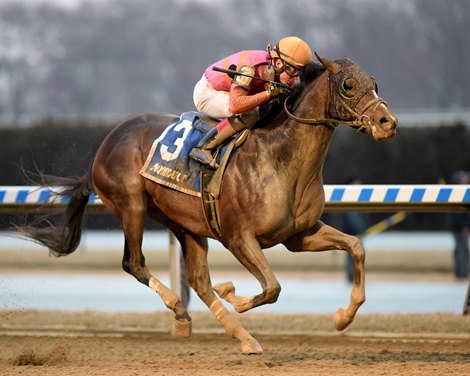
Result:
{"points": [[272, 193]]}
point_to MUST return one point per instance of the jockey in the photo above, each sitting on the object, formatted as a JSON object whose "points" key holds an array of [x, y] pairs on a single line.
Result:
{"points": [[236, 100]]}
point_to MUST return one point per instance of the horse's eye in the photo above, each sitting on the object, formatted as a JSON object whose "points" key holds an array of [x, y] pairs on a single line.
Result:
{"points": [[347, 86]]}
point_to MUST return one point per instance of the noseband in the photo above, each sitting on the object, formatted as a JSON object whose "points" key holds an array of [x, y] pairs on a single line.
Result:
{"points": [[361, 121]]}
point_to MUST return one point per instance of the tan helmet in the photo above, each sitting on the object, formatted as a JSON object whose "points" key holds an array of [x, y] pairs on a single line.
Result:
{"points": [[293, 50]]}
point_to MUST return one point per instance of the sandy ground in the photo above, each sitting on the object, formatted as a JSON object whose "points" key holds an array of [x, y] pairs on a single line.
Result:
{"points": [[91, 343]]}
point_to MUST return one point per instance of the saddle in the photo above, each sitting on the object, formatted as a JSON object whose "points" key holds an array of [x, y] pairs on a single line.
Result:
{"points": [[169, 164]]}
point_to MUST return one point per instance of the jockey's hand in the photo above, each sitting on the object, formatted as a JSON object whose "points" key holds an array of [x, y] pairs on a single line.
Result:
{"points": [[276, 90]]}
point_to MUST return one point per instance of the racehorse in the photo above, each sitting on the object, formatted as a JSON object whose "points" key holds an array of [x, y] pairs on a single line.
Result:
{"points": [[272, 193]]}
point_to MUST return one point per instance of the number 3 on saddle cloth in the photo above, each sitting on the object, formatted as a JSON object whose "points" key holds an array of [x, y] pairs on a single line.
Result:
{"points": [[169, 164]]}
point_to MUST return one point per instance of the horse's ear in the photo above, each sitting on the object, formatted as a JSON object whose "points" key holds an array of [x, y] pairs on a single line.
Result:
{"points": [[329, 64]]}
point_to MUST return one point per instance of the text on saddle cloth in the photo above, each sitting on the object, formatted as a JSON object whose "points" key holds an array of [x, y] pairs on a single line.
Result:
{"points": [[168, 162]]}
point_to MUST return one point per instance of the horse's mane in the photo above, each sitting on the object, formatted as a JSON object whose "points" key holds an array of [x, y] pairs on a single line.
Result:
{"points": [[271, 109], [308, 74]]}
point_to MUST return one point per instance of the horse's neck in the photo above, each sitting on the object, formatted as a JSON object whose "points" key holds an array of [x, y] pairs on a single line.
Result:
{"points": [[313, 102], [308, 143]]}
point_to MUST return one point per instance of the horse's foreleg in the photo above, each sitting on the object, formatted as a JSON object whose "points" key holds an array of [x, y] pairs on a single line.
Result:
{"points": [[250, 255], [325, 238], [197, 270]]}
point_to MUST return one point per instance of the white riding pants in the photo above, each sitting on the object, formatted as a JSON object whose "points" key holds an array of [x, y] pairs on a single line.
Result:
{"points": [[209, 101]]}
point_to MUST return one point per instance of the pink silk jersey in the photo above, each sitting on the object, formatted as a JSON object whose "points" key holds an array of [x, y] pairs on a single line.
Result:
{"points": [[222, 82]]}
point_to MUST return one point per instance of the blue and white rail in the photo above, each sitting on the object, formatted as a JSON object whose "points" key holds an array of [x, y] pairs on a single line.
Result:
{"points": [[434, 197], [338, 197], [17, 196]]}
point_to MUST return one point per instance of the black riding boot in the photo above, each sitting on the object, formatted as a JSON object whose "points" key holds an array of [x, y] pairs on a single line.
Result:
{"points": [[202, 151]]}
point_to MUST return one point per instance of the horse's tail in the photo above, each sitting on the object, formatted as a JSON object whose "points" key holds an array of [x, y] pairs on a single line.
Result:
{"points": [[64, 237]]}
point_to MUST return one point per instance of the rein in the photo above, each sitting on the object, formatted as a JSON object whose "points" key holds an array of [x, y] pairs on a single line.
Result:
{"points": [[361, 120]]}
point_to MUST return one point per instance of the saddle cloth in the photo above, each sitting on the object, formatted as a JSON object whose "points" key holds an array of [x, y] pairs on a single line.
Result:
{"points": [[168, 162]]}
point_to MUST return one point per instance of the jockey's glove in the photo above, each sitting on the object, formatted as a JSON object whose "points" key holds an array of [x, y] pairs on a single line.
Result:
{"points": [[274, 90]]}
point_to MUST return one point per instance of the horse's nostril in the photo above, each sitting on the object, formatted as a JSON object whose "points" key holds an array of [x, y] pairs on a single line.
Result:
{"points": [[390, 120], [385, 119]]}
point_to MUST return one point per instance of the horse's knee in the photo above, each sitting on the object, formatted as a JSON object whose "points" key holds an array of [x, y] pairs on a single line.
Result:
{"points": [[272, 293]]}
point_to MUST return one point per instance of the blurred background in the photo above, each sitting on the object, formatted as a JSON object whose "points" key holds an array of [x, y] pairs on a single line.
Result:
{"points": [[109, 59], [70, 70]]}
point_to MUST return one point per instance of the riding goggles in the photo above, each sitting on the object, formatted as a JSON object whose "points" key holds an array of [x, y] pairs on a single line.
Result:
{"points": [[290, 70]]}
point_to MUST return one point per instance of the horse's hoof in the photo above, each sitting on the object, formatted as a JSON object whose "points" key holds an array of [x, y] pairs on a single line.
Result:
{"points": [[251, 347], [182, 328], [342, 320], [224, 289]]}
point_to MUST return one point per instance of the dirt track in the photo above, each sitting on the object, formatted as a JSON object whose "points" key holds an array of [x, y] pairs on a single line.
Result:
{"points": [[90, 343], [86, 343]]}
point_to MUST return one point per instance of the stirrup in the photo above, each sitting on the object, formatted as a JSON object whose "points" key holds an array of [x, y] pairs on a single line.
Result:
{"points": [[203, 156]]}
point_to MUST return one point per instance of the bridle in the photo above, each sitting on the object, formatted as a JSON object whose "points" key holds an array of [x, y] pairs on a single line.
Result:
{"points": [[360, 123]]}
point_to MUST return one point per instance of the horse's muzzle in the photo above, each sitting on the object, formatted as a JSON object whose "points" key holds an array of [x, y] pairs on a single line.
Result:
{"points": [[386, 127]]}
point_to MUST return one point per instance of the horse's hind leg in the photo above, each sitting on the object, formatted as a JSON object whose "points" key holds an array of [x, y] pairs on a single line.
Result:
{"points": [[132, 218], [325, 238], [134, 263], [195, 257]]}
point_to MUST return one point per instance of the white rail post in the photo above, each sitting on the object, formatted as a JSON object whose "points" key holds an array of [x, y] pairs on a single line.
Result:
{"points": [[175, 264], [178, 279]]}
